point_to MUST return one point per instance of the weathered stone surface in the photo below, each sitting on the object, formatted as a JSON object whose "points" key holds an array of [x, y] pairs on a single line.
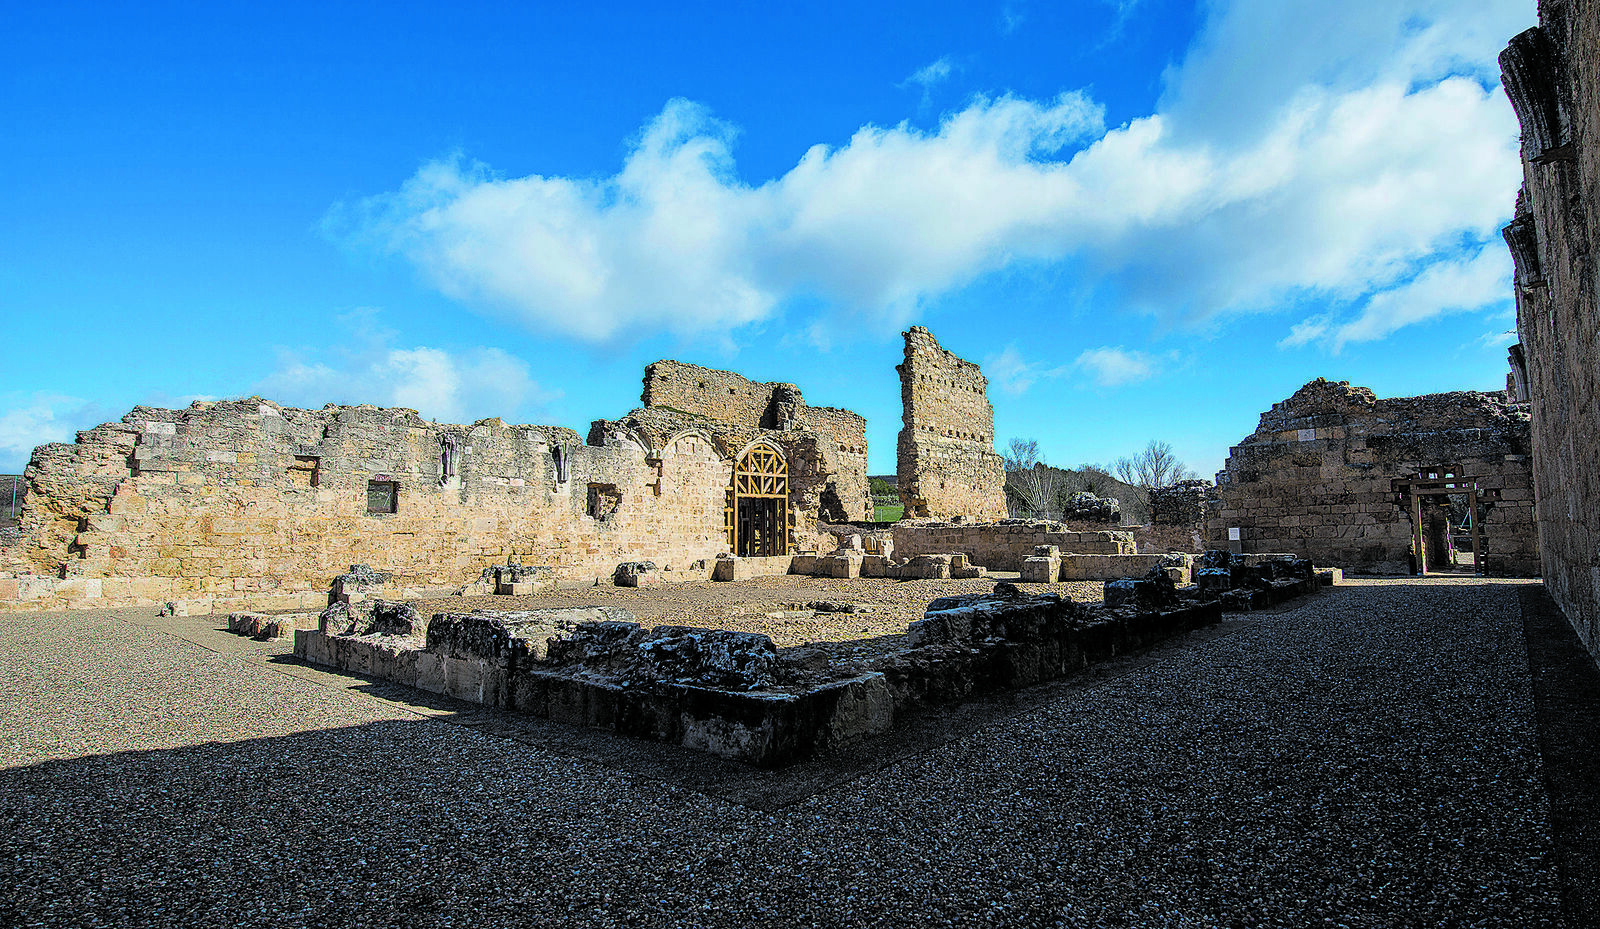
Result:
{"points": [[1247, 582], [1154, 592], [733, 693], [1318, 478], [826, 447], [947, 462], [636, 574], [1004, 545], [1180, 504], [1085, 507], [1044, 566], [733, 568], [1178, 566], [245, 504], [1552, 76], [259, 626]]}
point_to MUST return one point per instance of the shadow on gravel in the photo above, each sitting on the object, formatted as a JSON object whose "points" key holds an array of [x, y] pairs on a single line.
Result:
{"points": [[1566, 697], [735, 782]]}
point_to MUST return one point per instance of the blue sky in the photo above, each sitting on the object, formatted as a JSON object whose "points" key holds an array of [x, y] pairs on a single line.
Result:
{"points": [[1146, 219]]}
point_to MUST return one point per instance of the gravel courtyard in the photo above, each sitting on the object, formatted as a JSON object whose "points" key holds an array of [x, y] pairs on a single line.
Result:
{"points": [[1369, 757]]}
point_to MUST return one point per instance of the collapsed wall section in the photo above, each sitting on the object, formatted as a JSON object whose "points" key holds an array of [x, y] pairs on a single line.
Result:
{"points": [[1324, 477], [1552, 76], [947, 462]]}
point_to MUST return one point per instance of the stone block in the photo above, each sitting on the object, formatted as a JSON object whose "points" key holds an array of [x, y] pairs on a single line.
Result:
{"points": [[876, 566], [636, 574], [927, 567], [844, 564], [807, 565], [1040, 569]]}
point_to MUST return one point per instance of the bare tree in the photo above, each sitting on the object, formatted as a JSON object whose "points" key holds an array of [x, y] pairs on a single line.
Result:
{"points": [[1033, 488], [1156, 466]]}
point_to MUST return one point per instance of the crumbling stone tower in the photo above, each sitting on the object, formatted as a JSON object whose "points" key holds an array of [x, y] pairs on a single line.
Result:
{"points": [[947, 463]]}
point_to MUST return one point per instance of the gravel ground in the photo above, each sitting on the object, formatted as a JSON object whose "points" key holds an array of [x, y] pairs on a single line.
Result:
{"points": [[1367, 758]]}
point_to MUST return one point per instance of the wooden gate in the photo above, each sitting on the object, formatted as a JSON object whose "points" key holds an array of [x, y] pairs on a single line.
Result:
{"points": [[757, 512]]}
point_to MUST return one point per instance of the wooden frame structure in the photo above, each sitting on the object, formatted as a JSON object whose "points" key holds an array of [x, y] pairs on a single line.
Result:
{"points": [[756, 515], [1440, 482]]}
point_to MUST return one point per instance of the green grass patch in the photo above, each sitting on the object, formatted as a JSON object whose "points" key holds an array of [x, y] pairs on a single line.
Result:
{"points": [[887, 514]]}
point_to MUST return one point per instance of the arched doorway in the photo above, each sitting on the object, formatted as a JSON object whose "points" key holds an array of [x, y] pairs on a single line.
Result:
{"points": [[757, 514]]}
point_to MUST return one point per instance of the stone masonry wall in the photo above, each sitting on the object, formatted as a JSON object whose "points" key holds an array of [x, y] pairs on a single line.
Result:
{"points": [[1317, 478], [947, 462], [246, 504], [726, 397], [1552, 75]]}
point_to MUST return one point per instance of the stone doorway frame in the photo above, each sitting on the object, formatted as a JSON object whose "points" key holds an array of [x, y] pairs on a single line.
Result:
{"points": [[1435, 482], [757, 511]]}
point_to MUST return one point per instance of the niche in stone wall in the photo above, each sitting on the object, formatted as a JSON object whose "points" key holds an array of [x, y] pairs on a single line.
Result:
{"points": [[383, 496], [832, 507], [449, 458], [604, 500], [305, 471]]}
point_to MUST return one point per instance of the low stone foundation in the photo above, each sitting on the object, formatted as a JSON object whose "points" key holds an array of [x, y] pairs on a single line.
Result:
{"points": [[261, 626], [849, 564], [729, 693], [737, 568], [1005, 545]]}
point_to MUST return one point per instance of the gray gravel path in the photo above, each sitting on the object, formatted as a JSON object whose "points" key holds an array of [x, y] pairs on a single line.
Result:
{"points": [[1365, 759]]}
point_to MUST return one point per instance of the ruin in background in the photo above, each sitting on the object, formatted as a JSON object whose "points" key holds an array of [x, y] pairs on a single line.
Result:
{"points": [[1341, 477], [1553, 79], [947, 463]]}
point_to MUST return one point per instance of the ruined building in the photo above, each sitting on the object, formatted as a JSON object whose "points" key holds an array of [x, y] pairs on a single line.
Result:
{"points": [[246, 504], [1552, 75], [947, 462], [1341, 477], [679, 396]]}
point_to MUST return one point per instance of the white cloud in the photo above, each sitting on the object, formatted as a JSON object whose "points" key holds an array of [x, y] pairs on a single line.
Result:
{"points": [[1307, 331], [1013, 374], [452, 387], [1302, 152], [31, 420], [1503, 338], [1012, 16], [1113, 366], [1452, 286], [931, 74]]}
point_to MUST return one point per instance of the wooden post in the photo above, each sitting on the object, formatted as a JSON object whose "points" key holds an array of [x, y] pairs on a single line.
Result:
{"points": [[1477, 548], [1416, 532]]}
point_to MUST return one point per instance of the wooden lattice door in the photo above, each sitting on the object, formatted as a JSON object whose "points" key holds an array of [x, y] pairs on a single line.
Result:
{"points": [[758, 514]]}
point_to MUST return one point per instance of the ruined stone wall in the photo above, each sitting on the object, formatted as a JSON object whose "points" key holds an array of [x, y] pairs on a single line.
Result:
{"points": [[727, 398], [246, 504], [1317, 478], [849, 497], [1552, 75], [1004, 545], [947, 462]]}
